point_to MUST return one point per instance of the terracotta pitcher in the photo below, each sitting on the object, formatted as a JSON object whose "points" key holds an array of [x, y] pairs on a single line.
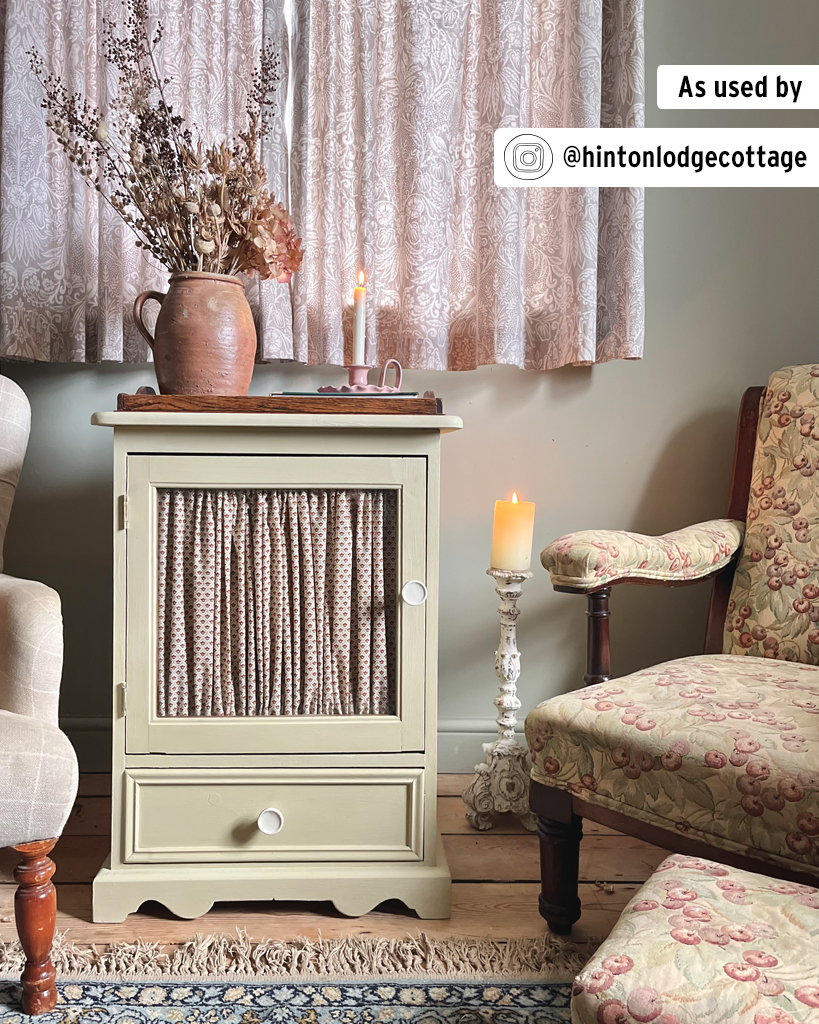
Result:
{"points": [[204, 342]]}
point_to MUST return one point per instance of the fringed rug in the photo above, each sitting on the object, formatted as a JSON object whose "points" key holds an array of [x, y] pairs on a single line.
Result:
{"points": [[221, 980]]}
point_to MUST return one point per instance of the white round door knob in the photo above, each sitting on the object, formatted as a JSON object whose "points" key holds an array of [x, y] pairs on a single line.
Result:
{"points": [[414, 593], [270, 821]]}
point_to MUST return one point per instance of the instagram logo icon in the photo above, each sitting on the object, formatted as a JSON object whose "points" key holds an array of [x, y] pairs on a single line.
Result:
{"points": [[528, 157]]}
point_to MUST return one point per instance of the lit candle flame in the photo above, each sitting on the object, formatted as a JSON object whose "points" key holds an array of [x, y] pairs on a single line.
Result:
{"points": [[361, 279], [514, 497]]}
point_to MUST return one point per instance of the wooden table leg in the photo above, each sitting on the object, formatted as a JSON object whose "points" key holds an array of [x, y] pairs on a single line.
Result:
{"points": [[35, 911]]}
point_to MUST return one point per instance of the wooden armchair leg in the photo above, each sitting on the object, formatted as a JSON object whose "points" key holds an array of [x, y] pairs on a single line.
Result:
{"points": [[559, 902], [35, 911]]}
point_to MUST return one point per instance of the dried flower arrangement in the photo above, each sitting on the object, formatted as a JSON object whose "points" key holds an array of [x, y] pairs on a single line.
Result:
{"points": [[191, 206]]}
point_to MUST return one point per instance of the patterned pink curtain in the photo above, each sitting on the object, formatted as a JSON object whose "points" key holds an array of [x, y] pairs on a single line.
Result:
{"points": [[276, 602], [395, 103]]}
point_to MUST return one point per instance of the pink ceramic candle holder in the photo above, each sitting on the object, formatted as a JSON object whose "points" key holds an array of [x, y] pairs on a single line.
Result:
{"points": [[359, 384]]}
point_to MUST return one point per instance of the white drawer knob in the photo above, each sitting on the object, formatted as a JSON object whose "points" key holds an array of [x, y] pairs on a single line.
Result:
{"points": [[270, 821], [414, 593]]}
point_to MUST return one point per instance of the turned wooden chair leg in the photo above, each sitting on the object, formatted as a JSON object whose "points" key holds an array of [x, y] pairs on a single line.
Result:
{"points": [[35, 911], [559, 902], [598, 649]]}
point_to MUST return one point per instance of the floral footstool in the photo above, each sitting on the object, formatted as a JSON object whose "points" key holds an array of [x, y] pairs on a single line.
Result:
{"points": [[704, 943]]}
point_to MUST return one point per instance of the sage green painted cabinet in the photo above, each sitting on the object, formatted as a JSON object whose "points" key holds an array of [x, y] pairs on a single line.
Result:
{"points": [[275, 661]]}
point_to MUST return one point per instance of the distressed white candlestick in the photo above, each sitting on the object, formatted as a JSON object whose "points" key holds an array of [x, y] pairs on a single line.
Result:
{"points": [[501, 782]]}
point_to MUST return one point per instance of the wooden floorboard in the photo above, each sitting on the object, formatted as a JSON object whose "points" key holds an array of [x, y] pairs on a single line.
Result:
{"points": [[452, 819], [95, 784], [91, 816], [494, 894], [503, 910], [452, 785]]}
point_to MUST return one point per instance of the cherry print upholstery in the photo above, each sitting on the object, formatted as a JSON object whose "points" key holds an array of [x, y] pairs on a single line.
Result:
{"points": [[774, 608], [701, 943], [719, 748], [595, 558]]}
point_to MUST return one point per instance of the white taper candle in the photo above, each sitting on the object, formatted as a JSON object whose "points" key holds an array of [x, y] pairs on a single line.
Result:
{"points": [[360, 322]]}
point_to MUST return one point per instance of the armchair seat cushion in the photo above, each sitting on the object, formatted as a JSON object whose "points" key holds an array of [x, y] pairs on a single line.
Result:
{"points": [[701, 944], [594, 558], [722, 748], [38, 779]]}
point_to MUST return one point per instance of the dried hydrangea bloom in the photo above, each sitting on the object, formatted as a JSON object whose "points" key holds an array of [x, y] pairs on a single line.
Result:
{"points": [[270, 248]]}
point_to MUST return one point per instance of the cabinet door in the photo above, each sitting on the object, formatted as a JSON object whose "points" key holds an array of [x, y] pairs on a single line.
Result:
{"points": [[267, 604]]}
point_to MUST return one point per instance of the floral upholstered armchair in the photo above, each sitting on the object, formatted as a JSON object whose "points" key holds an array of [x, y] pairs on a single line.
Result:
{"points": [[715, 755]]}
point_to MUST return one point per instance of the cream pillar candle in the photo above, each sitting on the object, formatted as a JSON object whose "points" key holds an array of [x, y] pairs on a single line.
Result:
{"points": [[360, 322], [512, 534]]}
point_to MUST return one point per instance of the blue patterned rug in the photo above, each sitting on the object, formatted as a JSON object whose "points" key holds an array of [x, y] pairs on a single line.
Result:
{"points": [[281, 1002]]}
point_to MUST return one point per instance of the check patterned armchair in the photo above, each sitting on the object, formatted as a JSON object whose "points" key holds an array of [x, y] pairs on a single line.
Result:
{"points": [[38, 767], [715, 755]]}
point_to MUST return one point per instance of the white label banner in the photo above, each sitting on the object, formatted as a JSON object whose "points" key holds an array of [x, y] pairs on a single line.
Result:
{"points": [[738, 86], [657, 158]]}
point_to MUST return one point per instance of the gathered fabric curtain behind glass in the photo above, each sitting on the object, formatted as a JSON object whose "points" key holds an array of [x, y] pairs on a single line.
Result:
{"points": [[276, 602], [394, 105]]}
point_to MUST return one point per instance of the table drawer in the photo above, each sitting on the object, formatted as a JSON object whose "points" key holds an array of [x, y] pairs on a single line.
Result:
{"points": [[196, 814]]}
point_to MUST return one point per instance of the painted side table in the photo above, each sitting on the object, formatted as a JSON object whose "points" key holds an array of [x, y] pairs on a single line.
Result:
{"points": [[275, 661]]}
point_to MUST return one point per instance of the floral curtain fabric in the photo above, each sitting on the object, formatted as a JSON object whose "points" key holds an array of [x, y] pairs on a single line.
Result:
{"points": [[313, 629], [394, 107]]}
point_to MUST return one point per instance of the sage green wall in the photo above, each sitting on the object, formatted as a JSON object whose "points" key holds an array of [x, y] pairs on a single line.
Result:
{"points": [[731, 284]]}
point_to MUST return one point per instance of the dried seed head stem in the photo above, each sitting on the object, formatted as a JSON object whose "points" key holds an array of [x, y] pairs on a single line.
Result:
{"points": [[191, 206]]}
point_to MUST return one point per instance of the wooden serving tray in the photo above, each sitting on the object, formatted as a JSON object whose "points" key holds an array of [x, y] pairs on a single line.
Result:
{"points": [[320, 404]]}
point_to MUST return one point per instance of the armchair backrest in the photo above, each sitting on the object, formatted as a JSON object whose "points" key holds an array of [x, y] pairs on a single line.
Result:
{"points": [[15, 423], [773, 611]]}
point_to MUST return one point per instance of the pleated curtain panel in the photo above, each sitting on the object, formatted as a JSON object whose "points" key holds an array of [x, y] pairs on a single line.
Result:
{"points": [[385, 164], [276, 602]]}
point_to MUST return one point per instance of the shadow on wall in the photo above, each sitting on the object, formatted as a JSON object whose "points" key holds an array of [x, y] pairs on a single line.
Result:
{"points": [[651, 624], [564, 622], [564, 617], [65, 542]]}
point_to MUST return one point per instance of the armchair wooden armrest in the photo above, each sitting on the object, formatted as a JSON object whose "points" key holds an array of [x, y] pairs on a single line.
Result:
{"points": [[593, 562]]}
